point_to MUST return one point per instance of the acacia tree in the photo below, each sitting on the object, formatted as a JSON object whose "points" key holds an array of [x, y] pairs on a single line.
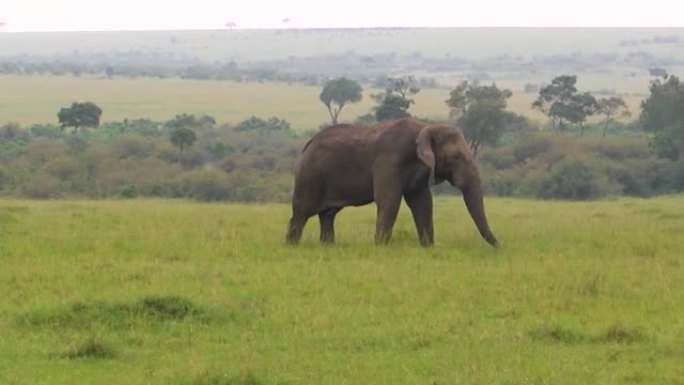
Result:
{"points": [[563, 104], [337, 93], [554, 100], [395, 102], [581, 107], [662, 115], [480, 111], [182, 133], [182, 137], [609, 108], [86, 114]]}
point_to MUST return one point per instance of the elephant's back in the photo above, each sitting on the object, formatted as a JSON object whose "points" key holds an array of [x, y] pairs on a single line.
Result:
{"points": [[344, 135], [352, 147]]}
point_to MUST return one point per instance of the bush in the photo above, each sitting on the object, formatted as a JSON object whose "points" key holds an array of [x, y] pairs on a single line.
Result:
{"points": [[128, 191], [132, 146], [531, 146], [574, 179], [258, 124], [207, 184], [41, 187]]}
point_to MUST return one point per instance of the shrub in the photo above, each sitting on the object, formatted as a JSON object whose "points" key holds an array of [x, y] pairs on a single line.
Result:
{"points": [[132, 146], [258, 124], [128, 191], [572, 179], [208, 184], [41, 187], [502, 158], [531, 146]]}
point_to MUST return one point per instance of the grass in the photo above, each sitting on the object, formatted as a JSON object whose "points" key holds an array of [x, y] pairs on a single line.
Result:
{"points": [[176, 292], [37, 99]]}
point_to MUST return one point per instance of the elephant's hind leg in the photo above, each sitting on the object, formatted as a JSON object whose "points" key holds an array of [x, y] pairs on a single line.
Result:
{"points": [[295, 228], [327, 219]]}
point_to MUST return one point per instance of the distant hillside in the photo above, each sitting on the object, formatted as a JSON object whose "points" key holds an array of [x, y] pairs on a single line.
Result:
{"points": [[607, 60], [257, 45]]}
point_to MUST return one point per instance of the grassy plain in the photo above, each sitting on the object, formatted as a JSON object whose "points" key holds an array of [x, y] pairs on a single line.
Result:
{"points": [[175, 292], [37, 99]]}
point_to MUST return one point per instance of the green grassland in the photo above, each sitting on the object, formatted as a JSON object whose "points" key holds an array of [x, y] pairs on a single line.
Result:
{"points": [[175, 292], [36, 99]]}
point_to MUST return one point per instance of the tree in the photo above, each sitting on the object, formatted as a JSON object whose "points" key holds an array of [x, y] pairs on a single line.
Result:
{"points": [[480, 111], [9, 131], [581, 107], [609, 108], [192, 121], [183, 127], [85, 114], [395, 102], [555, 100], [273, 124], [182, 137], [662, 115], [337, 93]]}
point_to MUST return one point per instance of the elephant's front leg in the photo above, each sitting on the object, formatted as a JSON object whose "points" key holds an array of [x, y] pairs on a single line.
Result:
{"points": [[420, 203], [388, 206]]}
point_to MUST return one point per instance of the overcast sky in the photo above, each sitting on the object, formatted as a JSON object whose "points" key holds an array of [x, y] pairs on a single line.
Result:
{"points": [[75, 15]]}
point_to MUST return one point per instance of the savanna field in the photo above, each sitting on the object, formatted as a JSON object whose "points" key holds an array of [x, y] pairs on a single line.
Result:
{"points": [[182, 285], [178, 292]]}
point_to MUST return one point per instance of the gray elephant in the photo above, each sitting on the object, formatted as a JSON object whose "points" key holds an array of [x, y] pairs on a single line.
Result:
{"points": [[347, 165]]}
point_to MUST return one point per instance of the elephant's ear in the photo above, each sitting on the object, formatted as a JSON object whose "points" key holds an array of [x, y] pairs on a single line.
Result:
{"points": [[425, 152]]}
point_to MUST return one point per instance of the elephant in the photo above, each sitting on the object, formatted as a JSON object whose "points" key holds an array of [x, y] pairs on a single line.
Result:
{"points": [[346, 165]]}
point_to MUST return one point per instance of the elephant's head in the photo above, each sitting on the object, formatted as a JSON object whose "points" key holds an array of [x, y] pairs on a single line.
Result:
{"points": [[445, 151]]}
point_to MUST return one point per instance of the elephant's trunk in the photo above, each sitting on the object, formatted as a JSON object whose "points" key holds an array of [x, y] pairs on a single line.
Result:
{"points": [[472, 196]]}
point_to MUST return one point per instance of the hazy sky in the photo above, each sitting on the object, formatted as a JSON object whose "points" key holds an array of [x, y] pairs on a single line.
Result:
{"points": [[70, 15]]}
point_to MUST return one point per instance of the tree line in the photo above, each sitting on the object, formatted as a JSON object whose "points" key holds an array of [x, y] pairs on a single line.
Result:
{"points": [[195, 157], [481, 109]]}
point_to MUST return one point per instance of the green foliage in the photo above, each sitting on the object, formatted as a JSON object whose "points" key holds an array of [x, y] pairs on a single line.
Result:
{"points": [[558, 167], [574, 180], [230, 164], [563, 104], [480, 111], [128, 191], [531, 146], [191, 121], [609, 108], [182, 137], [662, 115], [86, 114], [9, 131], [44, 163], [337, 93], [395, 102], [206, 185], [270, 125]]}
